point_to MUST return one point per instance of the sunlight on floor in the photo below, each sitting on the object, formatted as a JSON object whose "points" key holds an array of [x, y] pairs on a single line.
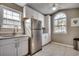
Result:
{"points": [[54, 49]]}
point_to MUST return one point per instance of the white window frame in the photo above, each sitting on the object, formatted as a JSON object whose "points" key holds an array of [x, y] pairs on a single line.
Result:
{"points": [[60, 25], [13, 10]]}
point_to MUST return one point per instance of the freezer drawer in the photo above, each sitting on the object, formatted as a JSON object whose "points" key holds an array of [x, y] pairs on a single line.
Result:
{"points": [[36, 41]]}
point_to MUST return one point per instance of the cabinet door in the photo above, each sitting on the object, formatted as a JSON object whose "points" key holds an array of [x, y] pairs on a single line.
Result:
{"points": [[8, 50], [45, 39], [34, 14], [28, 12], [23, 47], [41, 18]]}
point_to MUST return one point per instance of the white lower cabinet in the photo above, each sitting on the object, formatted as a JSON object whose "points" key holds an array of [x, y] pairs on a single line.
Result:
{"points": [[8, 50], [45, 39], [23, 47], [14, 47]]}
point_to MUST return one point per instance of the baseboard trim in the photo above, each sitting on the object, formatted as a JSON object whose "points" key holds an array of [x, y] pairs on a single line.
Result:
{"points": [[66, 45], [35, 52], [32, 54], [47, 43]]}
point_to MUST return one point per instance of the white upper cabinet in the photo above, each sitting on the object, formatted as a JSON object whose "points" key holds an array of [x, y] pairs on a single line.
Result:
{"points": [[29, 12], [41, 18], [35, 14]]}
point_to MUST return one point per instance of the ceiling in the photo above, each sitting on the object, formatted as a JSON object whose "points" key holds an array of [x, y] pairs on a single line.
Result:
{"points": [[46, 8]]}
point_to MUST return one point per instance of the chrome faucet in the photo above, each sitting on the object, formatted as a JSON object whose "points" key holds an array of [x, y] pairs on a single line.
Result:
{"points": [[15, 29]]}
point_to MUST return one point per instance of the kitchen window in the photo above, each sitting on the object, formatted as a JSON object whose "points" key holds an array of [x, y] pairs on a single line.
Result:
{"points": [[11, 19], [60, 23]]}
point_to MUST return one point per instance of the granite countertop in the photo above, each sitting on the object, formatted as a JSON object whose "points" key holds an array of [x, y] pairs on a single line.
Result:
{"points": [[15, 36]]}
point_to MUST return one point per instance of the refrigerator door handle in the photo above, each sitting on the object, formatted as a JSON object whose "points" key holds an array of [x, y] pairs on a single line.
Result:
{"points": [[31, 35]]}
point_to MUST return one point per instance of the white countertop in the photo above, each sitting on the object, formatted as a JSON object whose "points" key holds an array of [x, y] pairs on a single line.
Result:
{"points": [[15, 36]]}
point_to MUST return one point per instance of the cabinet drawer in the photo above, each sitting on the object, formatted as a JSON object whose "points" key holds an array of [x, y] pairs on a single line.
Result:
{"points": [[6, 41], [22, 39]]}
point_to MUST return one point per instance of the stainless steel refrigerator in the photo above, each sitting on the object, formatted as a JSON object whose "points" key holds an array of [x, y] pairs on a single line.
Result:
{"points": [[35, 43]]}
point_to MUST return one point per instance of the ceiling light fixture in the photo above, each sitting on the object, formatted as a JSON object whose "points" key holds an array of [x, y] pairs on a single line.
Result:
{"points": [[54, 8]]}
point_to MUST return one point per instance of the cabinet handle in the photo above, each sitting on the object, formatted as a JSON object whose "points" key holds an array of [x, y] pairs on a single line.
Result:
{"points": [[17, 44]]}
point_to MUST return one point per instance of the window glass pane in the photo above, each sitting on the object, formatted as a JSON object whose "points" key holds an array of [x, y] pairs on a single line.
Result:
{"points": [[4, 15], [60, 22], [55, 22], [63, 29], [56, 17], [11, 22], [17, 18], [59, 29], [56, 29], [14, 17], [8, 21], [19, 23], [9, 16], [63, 21], [4, 11], [61, 15], [15, 14], [4, 21], [16, 23], [9, 12]]}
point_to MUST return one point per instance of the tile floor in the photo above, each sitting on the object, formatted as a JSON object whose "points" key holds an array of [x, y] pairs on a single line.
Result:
{"points": [[54, 49]]}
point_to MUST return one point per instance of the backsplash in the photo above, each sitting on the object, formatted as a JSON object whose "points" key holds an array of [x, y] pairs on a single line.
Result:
{"points": [[9, 31]]}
